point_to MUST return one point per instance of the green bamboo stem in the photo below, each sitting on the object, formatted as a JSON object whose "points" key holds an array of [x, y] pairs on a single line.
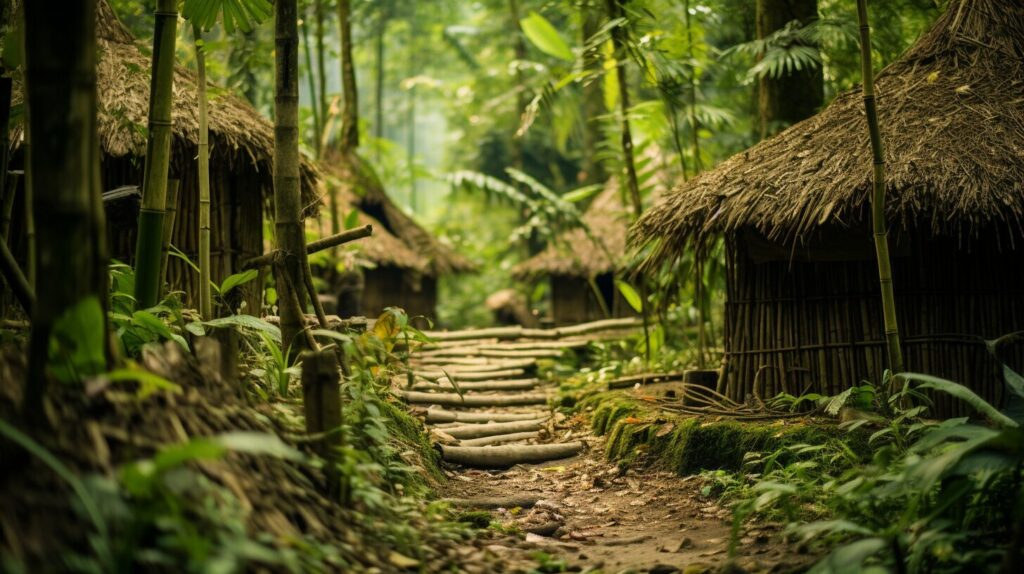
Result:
{"points": [[205, 292], [632, 183], [7, 208], [289, 232], [5, 193], [378, 90], [321, 71], [170, 217], [307, 51], [158, 157], [878, 222], [350, 107]]}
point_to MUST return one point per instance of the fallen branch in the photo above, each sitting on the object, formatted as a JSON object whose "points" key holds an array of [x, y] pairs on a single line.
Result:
{"points": [[508, 455], [437, 416], [455, 400], [499, 438], [490, 429], [644, 379], [494, 502], [16, 279], [314, 247]]}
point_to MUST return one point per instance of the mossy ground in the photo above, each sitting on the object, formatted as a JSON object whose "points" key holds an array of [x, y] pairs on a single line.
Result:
{"points": [[639, 433]]}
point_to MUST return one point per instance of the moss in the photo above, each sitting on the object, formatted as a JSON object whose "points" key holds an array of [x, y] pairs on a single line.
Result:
{"points": [[639, 433], [409, 434]]}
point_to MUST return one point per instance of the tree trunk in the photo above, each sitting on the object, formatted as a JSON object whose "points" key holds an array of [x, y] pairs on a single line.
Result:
{"points": [[61, 87], [881, 230], [619, 47], [321, 73], [350, 108], [410, 147], [158, 157], [593, 102], [205, 294], [378, 103], [318, 121], [287, 199], [795, 96]]}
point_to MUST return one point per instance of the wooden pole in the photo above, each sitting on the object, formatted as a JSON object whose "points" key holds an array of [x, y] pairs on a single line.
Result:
{"points": [[170, 216], [879, 225], [16, 279], [316, 246], [321, 403]]}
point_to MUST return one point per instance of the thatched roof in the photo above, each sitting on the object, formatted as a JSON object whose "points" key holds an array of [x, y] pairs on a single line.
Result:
{"points": [[574, 253], [367, 193], [381, 248], [952, 120], [240, 138]]}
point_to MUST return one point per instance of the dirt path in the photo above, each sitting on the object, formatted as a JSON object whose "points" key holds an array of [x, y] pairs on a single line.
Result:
{"points": [[583, 510]]}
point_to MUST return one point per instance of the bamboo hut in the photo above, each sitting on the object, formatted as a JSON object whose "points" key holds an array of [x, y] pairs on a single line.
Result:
{"points": [[803, 309], [580, 268], [404, 260], [241, 159]]}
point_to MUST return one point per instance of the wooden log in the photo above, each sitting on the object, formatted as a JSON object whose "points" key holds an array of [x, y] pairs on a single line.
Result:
{"points": [[517, 332], [491, 429], [455, 400], [499, 439], [471, 375], [321, 402], [509, 385], [508, 455], [437, 416], [484, 368], [643, 379], [319, 245], [490, 502], [534, 345]]}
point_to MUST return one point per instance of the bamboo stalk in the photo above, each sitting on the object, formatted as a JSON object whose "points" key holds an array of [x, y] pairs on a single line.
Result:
{"points": [[16, 279], [318, 122], [205, 292], [158, 157], [349, 138], [5, 144], [321, 60], [171, 214], [878, 221], [7, 207]]}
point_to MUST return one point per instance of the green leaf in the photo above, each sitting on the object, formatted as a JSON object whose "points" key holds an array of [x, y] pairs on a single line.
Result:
{"points": [[849, 558], [331, 335], [352, 219], [149, 383], [582, 194], [77, 342], [545, 37], [963, 393], [630, 295], [247, 322], [237, 279], [258, 443]]}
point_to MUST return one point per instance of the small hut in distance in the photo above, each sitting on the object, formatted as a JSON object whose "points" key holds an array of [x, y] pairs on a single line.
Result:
{"points": [[803, 309], [575, 259], [407, 260], [241, 161]]}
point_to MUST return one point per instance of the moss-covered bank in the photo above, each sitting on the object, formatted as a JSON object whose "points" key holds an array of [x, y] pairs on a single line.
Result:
{"points": [[639, 433]]}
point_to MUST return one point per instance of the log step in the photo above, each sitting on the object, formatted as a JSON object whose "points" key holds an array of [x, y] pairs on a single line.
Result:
{"points": [[472, 375], [500, 438], [471, 431], [508, 455], [438, 416], [507, 385], [455, 400]]}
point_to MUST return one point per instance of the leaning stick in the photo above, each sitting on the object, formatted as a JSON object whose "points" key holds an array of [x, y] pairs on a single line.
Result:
{"points": [[491, 429], [499, 438], [644, 379], [437, 416], [15, 278], [508, 455], [456, 400], [314, 247]]}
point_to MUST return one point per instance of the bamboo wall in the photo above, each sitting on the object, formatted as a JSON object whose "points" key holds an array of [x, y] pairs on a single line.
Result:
{"points": [[236, 224], [814, 326], [389, 286]]}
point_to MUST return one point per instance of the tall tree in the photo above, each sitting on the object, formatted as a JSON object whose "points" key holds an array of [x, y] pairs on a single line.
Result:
{"points": [[158, 156], [593, 100], [321, 74], [379, 73], [350, 107], [619, 41], [794, 95], [288, 227], [879, 225], [64, 160]]}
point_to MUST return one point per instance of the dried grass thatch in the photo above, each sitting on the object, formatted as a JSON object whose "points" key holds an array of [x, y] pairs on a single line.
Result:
{"points": [[381, 248], [240, 138], [575, 253], [368, 195], [952, 119]]}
